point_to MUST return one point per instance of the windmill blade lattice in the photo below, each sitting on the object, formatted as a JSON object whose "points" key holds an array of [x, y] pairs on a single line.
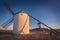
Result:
{"points": [[8, 7], [53, 30], [7, 23]]}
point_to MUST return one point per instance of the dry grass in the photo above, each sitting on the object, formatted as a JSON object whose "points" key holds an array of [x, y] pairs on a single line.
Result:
{"points": [[34, 35]]}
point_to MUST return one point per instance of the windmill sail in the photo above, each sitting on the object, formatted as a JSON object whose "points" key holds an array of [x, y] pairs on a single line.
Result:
{"points": [[51, 29], [7, 23], [8, 7]]}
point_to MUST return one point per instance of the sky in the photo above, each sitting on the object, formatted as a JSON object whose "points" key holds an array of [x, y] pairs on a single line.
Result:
{"points": [[47, 11]]}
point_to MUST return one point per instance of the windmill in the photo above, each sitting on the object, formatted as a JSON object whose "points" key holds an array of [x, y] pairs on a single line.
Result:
{"points": [[16, 15], [21, 21]]}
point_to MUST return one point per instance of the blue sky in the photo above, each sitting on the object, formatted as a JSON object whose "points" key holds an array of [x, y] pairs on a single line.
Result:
{"points": [[47, 11]]}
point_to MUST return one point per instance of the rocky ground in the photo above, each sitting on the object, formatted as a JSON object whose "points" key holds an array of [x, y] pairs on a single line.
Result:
{"points": [[33, 35]]}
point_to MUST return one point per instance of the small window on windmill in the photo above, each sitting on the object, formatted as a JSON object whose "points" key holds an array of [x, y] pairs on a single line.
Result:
{"points": [[21, 14]]}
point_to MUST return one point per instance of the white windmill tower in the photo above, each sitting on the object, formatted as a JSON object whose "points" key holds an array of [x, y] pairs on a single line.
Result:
{"points": [[21, 21]]}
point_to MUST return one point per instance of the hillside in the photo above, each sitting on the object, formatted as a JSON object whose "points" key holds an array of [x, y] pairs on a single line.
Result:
{"points": [[35, 34]]}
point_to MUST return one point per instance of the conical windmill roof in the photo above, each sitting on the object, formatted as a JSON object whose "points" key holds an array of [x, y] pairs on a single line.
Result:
{"points": [[21, 12]]}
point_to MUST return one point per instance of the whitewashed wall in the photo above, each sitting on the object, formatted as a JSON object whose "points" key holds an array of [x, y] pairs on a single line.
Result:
{"points": [[21, 20]]}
